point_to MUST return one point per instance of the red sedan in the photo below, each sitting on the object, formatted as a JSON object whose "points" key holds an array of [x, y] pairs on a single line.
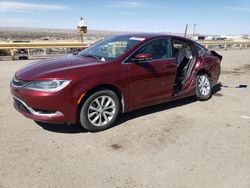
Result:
{"points": [[115, 75]]}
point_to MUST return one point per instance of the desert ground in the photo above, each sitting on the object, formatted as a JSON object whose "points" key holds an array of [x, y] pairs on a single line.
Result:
{"points": [[181, 144]]}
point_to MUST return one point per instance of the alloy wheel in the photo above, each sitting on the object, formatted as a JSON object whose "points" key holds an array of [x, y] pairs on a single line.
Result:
{"points": [[101, 110], [204, 85]]}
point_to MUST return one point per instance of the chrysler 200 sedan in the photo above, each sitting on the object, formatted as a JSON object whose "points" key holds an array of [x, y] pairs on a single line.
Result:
{"points": [[116, 75]]}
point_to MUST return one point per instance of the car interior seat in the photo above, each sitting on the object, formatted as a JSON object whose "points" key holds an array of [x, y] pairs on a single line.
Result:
{"points": [[184, 57], [182, 60]]}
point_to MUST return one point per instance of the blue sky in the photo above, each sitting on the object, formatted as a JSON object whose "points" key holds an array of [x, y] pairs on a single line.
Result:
{"points": [[211, 17]]}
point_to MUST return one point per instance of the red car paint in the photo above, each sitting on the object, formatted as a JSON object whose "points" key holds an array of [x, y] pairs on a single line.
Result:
{"points": [[138, 85]]}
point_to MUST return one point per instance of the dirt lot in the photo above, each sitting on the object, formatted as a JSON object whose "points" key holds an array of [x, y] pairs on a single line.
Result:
{"points": [[186, 143]]}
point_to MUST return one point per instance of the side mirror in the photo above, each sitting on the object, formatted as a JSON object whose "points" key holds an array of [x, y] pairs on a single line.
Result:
{"points": [[142, 57]]}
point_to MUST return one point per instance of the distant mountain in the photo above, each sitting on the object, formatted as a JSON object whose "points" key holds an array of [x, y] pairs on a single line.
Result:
{"points": [[51, 30]]}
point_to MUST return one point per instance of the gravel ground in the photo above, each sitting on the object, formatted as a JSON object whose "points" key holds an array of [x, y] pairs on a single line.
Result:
{"points": [[185, 143]]}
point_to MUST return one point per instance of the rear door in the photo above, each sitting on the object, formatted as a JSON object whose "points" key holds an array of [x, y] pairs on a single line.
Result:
{"points": [[152, 80]]}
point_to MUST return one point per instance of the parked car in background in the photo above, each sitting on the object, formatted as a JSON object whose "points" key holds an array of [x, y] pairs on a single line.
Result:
{"points": [[22, 57], [22, 54], [116, 75]]}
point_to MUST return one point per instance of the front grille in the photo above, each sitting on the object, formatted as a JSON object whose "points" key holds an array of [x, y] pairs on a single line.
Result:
{"points": [[20, 106], [18, 83]]}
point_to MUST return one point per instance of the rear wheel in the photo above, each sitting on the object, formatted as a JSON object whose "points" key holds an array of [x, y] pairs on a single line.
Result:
{"points": [[203, 87], [99, 111]]}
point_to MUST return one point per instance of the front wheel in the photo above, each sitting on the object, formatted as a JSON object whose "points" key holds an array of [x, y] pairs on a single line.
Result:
{"points": [[203, 87], [99, 111]]}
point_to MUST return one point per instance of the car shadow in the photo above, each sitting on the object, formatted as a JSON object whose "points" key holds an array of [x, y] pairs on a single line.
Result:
{"points": [[153, 109], [62, 128], [216, 88]]}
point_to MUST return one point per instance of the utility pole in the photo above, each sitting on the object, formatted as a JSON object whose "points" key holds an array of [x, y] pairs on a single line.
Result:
{"points": [[194, 30], [185, 33]]}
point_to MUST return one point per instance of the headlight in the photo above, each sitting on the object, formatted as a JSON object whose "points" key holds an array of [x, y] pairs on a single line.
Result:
{"points": [[48, 85]]}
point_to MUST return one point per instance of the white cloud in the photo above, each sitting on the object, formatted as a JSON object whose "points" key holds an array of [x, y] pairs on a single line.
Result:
{"points": [[20, 22], [127, 4], [14, 6], [240, 9]]}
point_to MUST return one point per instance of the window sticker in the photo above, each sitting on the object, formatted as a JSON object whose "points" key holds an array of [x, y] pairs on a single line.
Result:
{"points": [[137, 38]]}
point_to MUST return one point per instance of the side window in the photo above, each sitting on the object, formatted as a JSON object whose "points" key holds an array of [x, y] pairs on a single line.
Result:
{"points": [[200, 50], [158, 49]]}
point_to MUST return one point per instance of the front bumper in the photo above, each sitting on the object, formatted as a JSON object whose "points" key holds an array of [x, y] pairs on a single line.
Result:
{"points": [[44, 107], [39, 115]]}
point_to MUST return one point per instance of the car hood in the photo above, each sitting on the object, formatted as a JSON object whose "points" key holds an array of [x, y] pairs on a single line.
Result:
{"points": [[52, 67]]}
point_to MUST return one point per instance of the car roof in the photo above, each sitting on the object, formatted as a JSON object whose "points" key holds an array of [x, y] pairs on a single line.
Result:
{"points": [[153, 35]]}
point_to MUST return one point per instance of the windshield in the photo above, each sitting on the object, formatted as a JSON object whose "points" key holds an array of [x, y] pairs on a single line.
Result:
{"points": [[111, 48]]}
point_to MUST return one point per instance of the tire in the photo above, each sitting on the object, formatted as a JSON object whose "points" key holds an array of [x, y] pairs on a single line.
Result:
{"points": [[99, 111], [203, 87]]}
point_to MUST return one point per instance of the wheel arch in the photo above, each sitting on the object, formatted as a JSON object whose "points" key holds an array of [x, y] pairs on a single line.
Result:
{"points": [[204, 71], [111, 87]]}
